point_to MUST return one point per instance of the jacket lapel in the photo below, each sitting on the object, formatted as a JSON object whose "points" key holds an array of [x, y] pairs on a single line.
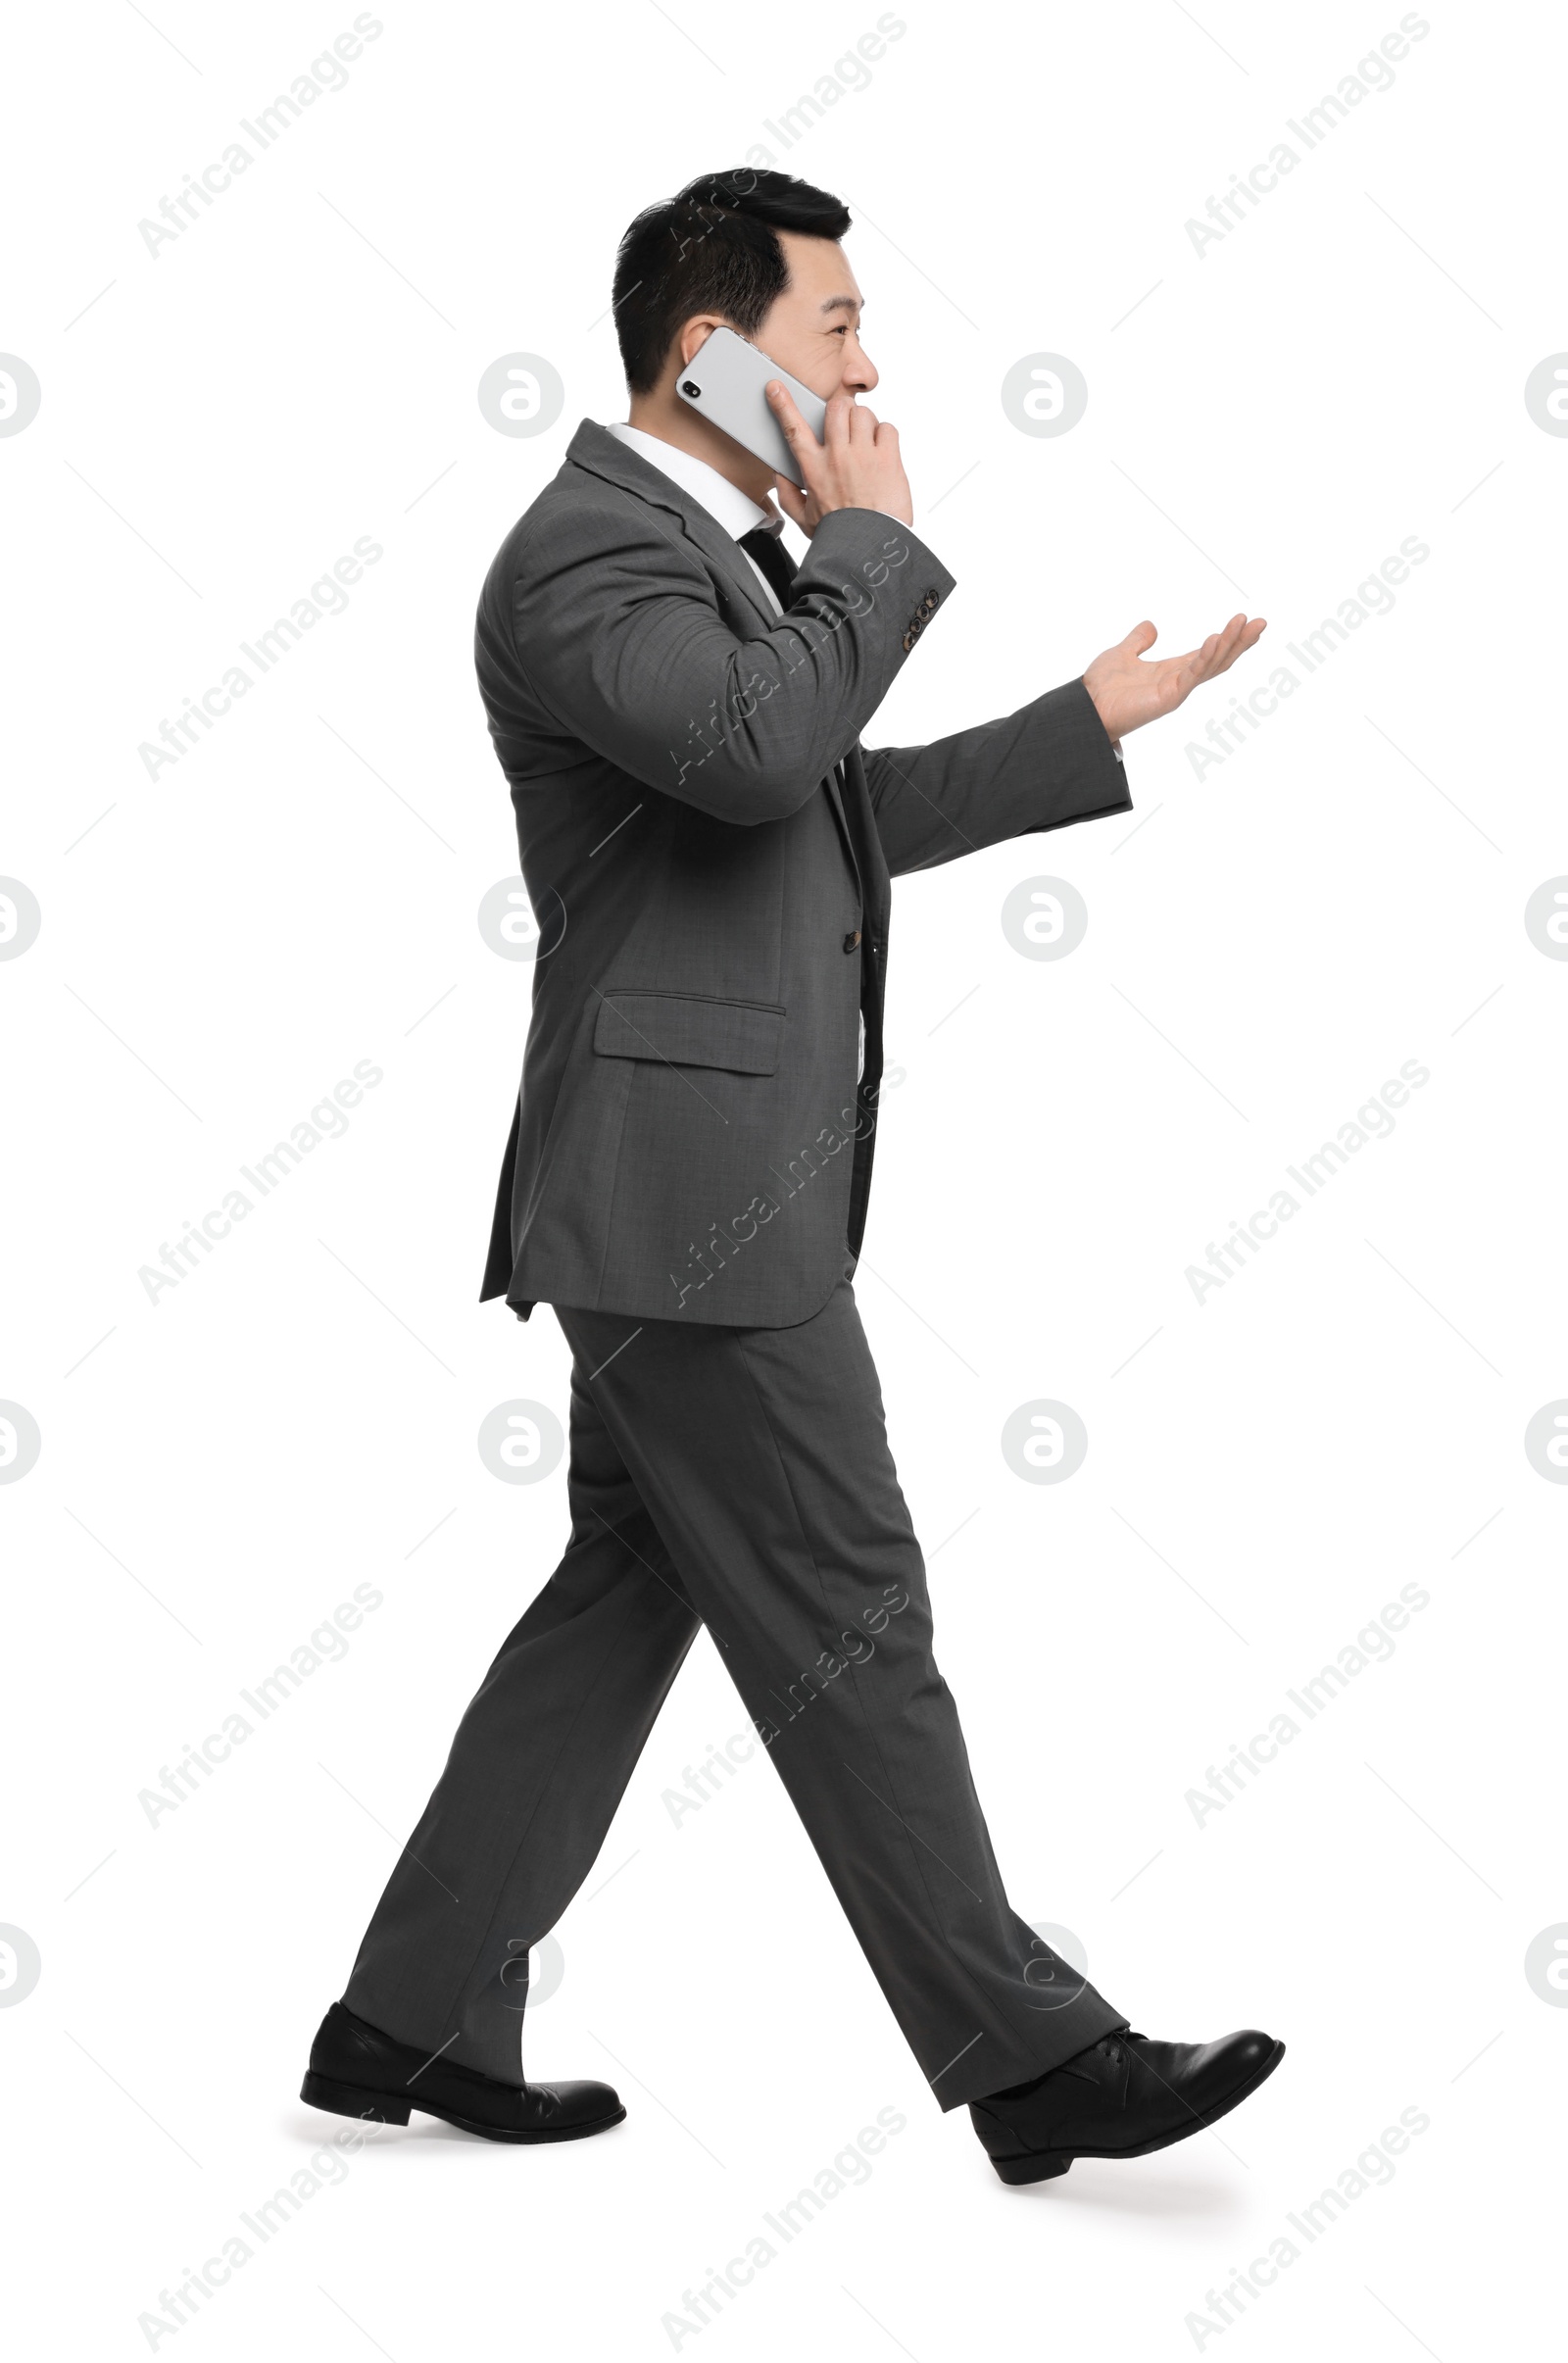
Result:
{"points": [[592, 447]]}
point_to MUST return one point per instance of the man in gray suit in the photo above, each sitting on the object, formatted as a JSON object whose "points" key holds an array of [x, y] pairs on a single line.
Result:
{"points": [[707, 848]]}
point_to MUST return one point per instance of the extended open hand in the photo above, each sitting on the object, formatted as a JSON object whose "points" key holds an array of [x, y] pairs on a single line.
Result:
{"points": [[1129, 691]]}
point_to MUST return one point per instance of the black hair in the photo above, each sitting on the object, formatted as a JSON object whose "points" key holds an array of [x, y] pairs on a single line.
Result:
{"points": [[713, 248]]}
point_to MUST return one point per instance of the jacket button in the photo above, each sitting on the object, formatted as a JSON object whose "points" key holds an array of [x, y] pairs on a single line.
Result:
{"points": [[909, 642], [930, 601], [852, 943]]}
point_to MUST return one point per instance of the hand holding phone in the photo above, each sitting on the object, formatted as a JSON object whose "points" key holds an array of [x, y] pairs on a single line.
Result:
{"points": [[856, 465], [724, 382], [827, 456]]}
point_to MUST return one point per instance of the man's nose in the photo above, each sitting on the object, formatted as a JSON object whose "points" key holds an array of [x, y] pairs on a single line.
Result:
{"points": [[859, 373]]}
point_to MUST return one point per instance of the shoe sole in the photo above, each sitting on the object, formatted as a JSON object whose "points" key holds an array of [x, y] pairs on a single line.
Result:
{"points": [[389, 2108], [1042, 2164]]}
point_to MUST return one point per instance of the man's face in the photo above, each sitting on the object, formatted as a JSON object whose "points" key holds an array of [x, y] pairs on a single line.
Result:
{"points": [[813, 328]]}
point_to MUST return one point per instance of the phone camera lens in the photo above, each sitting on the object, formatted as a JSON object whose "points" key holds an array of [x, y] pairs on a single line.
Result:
{"points": [[692, 389]]}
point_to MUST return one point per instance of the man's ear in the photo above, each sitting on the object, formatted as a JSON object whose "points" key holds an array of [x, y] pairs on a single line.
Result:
{"points": [[695, 334]]}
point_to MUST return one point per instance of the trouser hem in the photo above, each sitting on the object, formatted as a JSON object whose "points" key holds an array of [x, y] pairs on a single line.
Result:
{"points": [[992, 2067]]}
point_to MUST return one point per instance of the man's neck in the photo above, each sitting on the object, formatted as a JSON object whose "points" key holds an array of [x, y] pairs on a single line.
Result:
{"points": [[672, 420]]}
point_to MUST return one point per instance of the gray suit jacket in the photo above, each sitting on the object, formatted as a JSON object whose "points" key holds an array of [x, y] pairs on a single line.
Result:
{"points": [[708, 850]]}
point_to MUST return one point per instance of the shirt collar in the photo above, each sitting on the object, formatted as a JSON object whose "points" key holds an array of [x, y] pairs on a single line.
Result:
{"points": [[723, 500]]}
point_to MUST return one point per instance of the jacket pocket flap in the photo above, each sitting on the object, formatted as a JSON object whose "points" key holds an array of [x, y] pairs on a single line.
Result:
{"points": [[684, 1030]]}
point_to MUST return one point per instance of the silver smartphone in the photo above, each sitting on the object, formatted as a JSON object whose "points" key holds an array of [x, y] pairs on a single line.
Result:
{"points": [[724, 381]]}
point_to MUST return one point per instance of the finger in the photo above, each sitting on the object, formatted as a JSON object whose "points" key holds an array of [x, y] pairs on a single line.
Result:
{"points": [[1219, 648], [797, 434], [863, 424], [836, 425], [1224, 640], [1217, 655], [1180, 676], [1238, 636], [1142, 636], [1197, 659]]}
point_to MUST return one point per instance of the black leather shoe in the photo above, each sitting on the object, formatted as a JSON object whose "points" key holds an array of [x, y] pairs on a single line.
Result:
{"points": [[1124, 2097], [357, 2071]]}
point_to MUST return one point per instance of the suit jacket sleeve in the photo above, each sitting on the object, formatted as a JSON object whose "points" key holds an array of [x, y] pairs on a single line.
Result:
{"points": [[616, 630], [1041, 768]]}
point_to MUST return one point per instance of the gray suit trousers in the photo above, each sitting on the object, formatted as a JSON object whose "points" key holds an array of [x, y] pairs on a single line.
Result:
{"points": [[739, 1479]]}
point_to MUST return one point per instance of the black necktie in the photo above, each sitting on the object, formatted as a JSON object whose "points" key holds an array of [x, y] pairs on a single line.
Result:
{"points": [[779, 568], [776, 564]]}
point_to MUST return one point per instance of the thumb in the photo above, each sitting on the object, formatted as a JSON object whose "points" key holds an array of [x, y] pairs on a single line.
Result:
{"points": [[790, 499], [1142, 636]]}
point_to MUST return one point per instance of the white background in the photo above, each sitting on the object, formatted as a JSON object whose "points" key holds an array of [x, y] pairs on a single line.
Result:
{"points": [[1267, 423]]}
